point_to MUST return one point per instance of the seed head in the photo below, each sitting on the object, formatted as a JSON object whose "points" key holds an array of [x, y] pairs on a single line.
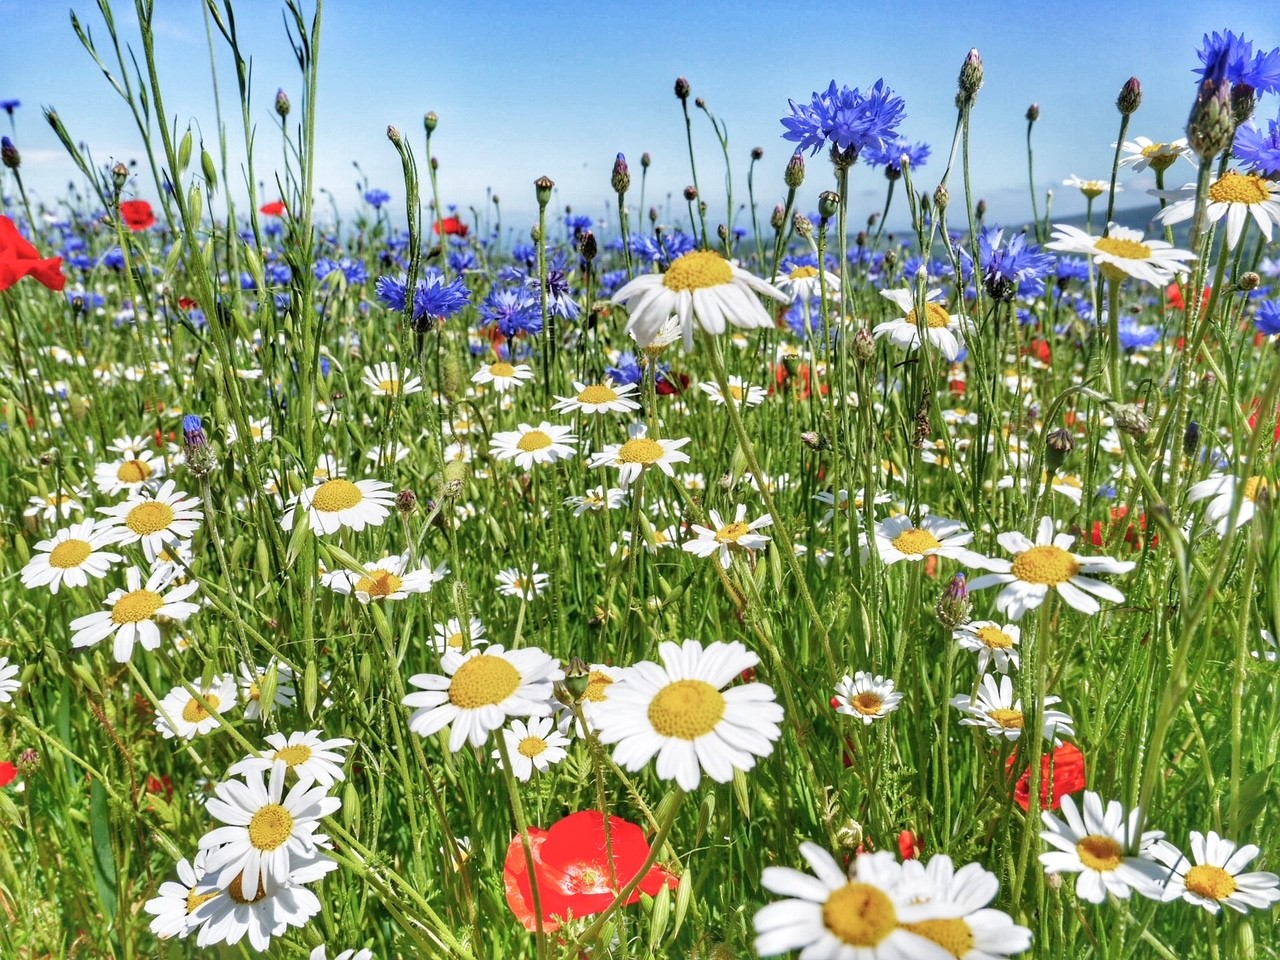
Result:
{"points": [[802, 224], [577, 677], [431, 121], [828, 204], [1130, 418], [1058, 446], [542, 190]]}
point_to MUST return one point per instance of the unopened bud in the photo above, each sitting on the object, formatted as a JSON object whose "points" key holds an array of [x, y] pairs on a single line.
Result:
{"points": [[814, 440], [453, 378], [406, 502], [577, 677], [394, 135], [542, 190], [645, 159], [778, 218], [980, 210], [1249, 282], [793, 176], [455, 478], [653, 214], [431, 121], [970, 82], [722, 232], [849, 838], [9, 154], [941, 196], [828, 204], [621, 179], [757, 153], [803, 225], [28, 762], [1130, 419], [588, 246], [864, 345], [1191, 439], [1130, 97], [954, 606], [861, 238], [119, 176], [1211, 126], [1243, 100], [700, 103], [690, 193], [282, 103], [435, 163], [1058, 446], [682, 89], [1033, 113]]}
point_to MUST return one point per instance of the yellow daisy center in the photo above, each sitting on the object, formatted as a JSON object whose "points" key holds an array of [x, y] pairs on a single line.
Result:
{"points": [[379, 583], [454, 640], [294, 754], [195, 899], [597, 685], [686, 709], [1099, 853], [194, 712], [732, 532], [482, 681], [532, 746], [1047, 564], [737, 391], [1092, 188], [641, 450], [502, 369], [150, 517], [994, 638], [133, 471], [954, 936], [534, 440], [1154, 150], [697, 271], [1007, 718], [255, 431], [860, 914], [270, 827], [915, 542], [389, 386], [1255, 487], [136, 606], [236, 889], [1210, 882], [868, 704], [69, 554], [335, 495], [255, 691], [935, 316], [598, 393], [803, 273], [1233, 187], [1124, 249]]}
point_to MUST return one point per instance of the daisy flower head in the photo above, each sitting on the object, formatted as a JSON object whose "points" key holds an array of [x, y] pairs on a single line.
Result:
{"points": [[451, 635], [479, 690], [899, 539], [802, 282], [526, 445], [866, 914], [339, 503], [1047, 564], [724, 539], [639, 453], [154, 522], [134, 614], [681, 712], [383, 379], [944, 330], [134, 472], [502, 375], [175, 903], [743, 393], [266, 832], [699, 287], [1092, 189], [1233, 501], [238, 912], [1096, 843], [254, 684], [597, 398], [594, 700], [54, 506], [992, 641], [1236, 196], [1123, 253], [70, 557], [181, 715], [386, 579], [259, 431], [840, 501], [1142, 152], [533, 745], [865, 697], [312, 758], [9, 682], [1214, 877], [997, 711], [597, 499], [513, 582], [968, 927]]}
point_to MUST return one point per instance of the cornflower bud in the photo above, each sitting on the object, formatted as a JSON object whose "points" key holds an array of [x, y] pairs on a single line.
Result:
{"points": [[1058, 445], [722, 232], [1130, 97], [691, 193], [700, 103], [1033, 113], [814, 440], [980, 210], [431, 121], [970, 82], [682, 89], [542, 190], [406, 502], [1211, 126], [1130, 419], [793, 176], [778, 217], [1243, 100], [757, 153], [941, 196], [653, 214], [645, 159], [864, 345], [1191, 439], [954, 606], [9, 154], [394, 135], [621, 180], [828, 204], [28, 762], [201, 460], [802, 224], [587, 246], [282, 103], [1249, 282]]}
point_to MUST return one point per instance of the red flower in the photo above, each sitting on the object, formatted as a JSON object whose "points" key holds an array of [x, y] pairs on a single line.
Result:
{"points": [[186, 303], [160, 786], [910, 844], [572, 863], [137, 215], [1061, 773], [274, 209], [665, 387], [18, 259], [8, 773], [1041, 351], [452, 226], [1176, 301]]}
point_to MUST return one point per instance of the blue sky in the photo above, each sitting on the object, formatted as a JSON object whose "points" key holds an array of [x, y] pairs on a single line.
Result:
{"points": [[559, 88]]}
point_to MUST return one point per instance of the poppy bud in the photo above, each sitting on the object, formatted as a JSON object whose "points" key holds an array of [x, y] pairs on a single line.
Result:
{"points": [[1033, 113], [621, 180], [282, 103], [793, 176], [778, 217], [828, 204], [757, 153], [542, 189], [682, 89], [1130, 97], [119, 176], [455, 478], [431, 121], [9, 154], [970, 82]]}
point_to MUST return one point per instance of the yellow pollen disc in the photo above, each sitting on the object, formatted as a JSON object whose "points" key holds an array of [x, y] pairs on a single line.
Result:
{"points": [[1254, 487], [732, 532], [255, 432], [133, 471], [597, 685], [483, 681], [737, 391], [1099, 853], [1007, 719], [136, 606], [455, 640], [294, 754], [532, 746], [686, 709], [382, 583], [598, 393], [270, 827], [255, 692], [236, 890], [804, 273], [335, 495], [1124, 249], [697, 271], [1154, 150], [641, 450], [954, 936], [1210, 882], [860, 914], [1048, 565], [868, 704], [195, 899], [502, 369], [935, 316], [1239, 188], [915, 542], [994, 638], [1092, 188], [150, 517], [69, 554], [534, 440], [193, 712], [389, 386]]}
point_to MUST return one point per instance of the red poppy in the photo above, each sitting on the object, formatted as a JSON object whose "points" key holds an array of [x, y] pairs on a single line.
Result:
{"points": [[1253, 415], [274, 209], [1133, 535], [1040, 349], [572, 863], [18, 259], [8, 773], [137, 215], [1174, 292], [453, 226], [910, 845], [1061, 773], [186, 303], [665, 387]]}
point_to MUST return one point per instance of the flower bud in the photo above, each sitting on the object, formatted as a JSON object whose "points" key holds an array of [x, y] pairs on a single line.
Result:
{"points": [[1131, 420], [1191, 439], [1130, 97], [1243, 100], [778, 218], [1057, 447], [406, 502], [282, 103], [9, 154], [645, 160], [682, 89], [802, 224], [941, 196], [653, 215], [119, 176], [588, 246], [28, 762], [864, 345], [1211, 126], [980, 210], [814, 440], [828, 204], [757, 153], [577, 677], [1249, 282], [431, 121], [700, 103], [954, 606], [793, 176], [970, 82], [722, 232], [542, 190], [455, 478], [690, 193], [394, 135], [849, 838], [621, 180], [1033, 113], [453, 379]]}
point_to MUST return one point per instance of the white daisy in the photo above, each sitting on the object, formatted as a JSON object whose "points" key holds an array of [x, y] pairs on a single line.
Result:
{"points": [[174, 559], [504, 376], [385, 579], [1045, 564], [865, 697], [535, 745], [175, 903], [130, 447], [383, 379], [71, 556], [526, 445], [597, 499], [451, 636], [181, 715], [9, 682], [312, 758], [899, 539], [594, 700], [699, 286], [233, 914], [479, 690], [681, 712], [840, 501], [744, 395], [131, 474], [606, 397], [968, 929], [997, 711], [1235, 195], [724, 538], [944, 330], [1142, 152], [514, 582], [1213, 878], [155, 522], [1222, 490], [53, 506], [992, 641], [803, 282], [259, 430], [639, 453], [339, 503], [253, 681], [1123, 252], [1096, 844], [133, 614], [1090, 188]]}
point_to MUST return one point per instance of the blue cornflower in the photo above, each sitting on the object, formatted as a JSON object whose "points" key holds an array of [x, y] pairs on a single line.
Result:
{"points": [[355, 271], [610, 281], [848, 121], [436, 298], [1260, 150], [1069, 269], [577, 225], [390, 292], [1018, 268], [376, 198], [525, 252], [626, 370], [278, 274], [8, 106], [1231, 57], [1268, 318], [324, 267], [664, 249], [462, 260], [193, 434], [273, 227], [114, 258], [512, 311], [1138, 336], [892, 153]]}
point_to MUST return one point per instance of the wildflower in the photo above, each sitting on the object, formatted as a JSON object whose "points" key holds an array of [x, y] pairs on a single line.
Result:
{"points": [[865, 697], [802, 282], [528, 445], [386, 579], [944, 330], [597, 499], [339, 503], [1229, 57], [744, 395], [996, 710], [175, 904], [251, 681], [1095, 843], [434, 299], [512, 312], [1123, 252], [513, 583], [259, 430], [1213, 878], [1261, 151], [275, 208], [71, 557], [504, 376], [899, 539], [180, 714], [1223, 490], [679, 712], [1142, 152], [895, 154], [133, 614], [453, 227], [1090, 188], [992, 642], [1046, 564], [724, 538], [640, 452], [479, 690], [384, 380], [320, 953], [1235, 196], [699, 286], [606, 397], [376, 198], [231, 914], [313, 759], [18, 259], [134, 472], [53, 506], [533, 745], [847, 121], [1017, 268], [1268, 318], [451, 636], [1061, 772], [154, 522], [969, 928], [9, 682], [137, 215]]}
